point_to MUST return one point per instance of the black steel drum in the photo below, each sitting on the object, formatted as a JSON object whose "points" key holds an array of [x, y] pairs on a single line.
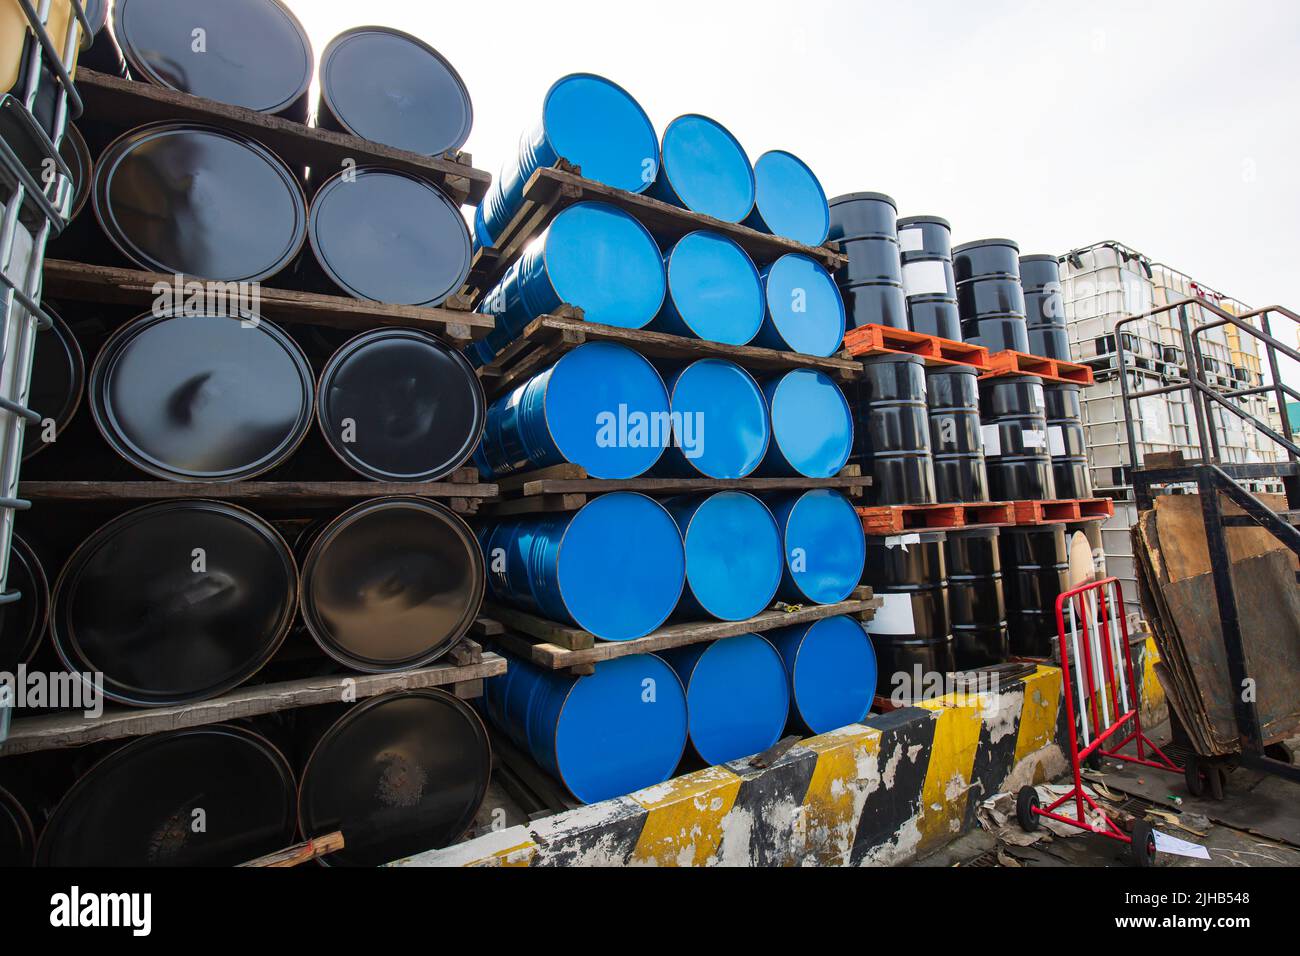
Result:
{"points": [[1016, 450], [913, 628], [928, 280], [892, 431], [871, 282], [391, 584], [22, 623], [58, 382], [929, 235], [205, 796], [1035, 571], [990, 300], [956, 439], [175, 602], [1040, 278], [17, 838], [977, 598], [398, 775], [74, 151], [1066, 441]]}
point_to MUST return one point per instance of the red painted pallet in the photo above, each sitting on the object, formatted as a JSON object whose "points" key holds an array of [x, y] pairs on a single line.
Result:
{"points": [[896, 519], [1050, 370], [1058, 512], [869, 340]]}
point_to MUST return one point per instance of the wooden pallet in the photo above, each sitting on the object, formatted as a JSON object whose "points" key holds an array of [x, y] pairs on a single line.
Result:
{"points": [[126, 103], [550, 190], [896, 519], [1064, 512], [868, 340], [466, 668], [555, 646], [1049, 370], [105, 284], [548, 338]]}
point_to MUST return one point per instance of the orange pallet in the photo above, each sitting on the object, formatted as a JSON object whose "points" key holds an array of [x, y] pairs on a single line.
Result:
{"points": [[896, 519], [1050, 370], [989, 513], [1058, 512], [871, 340]]}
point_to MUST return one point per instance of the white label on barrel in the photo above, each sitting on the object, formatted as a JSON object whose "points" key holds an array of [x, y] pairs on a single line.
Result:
{"points": [[894, 616], [1033, 438], [902, 541], [1056, 441], [1036, 397], [927, 277], [911, 240], [991, 440]]}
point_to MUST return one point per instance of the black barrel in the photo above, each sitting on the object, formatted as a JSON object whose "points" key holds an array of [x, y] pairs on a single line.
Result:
{"points": [[202, 397], [74, 151], [251, 53], [398, 775], [399, 405], [17, 838], [989, 296], [928, 280], [864, 225], [1016, 453], [956, 439], [1066, 442], [892, 431], [391, 584], [1040, 278], [389, 236], [977, 599], [390, 87], [23, 622], [204, 796], [58, 382], [200, 201], [1035, 569], [175, 602], [913, 628]]}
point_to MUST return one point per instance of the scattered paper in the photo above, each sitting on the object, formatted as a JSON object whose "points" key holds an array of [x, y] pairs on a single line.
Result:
{"points": [[1171, 844]]}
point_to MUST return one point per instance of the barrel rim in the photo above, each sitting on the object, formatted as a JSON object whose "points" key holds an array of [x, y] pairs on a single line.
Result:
{"points": [[77, 360], [122, 147], [666, 174], [322, 537], [650, 126], [326, 59], [1040, 257], [105, 421], [81, 189], [924, 220], [349, 350], [41, 583], [856, 197], [979, 243], [22, 821]]}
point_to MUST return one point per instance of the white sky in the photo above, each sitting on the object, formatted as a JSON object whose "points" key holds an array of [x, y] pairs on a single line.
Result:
{"points": [[1172, 126]]}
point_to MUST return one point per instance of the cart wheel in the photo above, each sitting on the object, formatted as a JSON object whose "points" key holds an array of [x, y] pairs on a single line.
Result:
{"points": [[1144, 844], [1026, 802], [1192, 776], [1217, 776]]}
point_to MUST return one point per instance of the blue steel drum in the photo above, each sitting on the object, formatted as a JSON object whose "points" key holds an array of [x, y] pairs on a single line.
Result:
{"points": [[705, 170], [720, 421], [603, 736], [804, 309], [601, 406], [615, 568], [788, 199], [812, 426], [592, 256], [714, 292], [831, 666], [823, 546], [737, 696], [592, 123], [733, 554]]}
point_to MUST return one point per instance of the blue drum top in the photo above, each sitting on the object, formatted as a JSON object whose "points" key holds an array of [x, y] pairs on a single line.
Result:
{"points": [[706, 169], [811, 423], [605, 262], [824, 546], [720, 418], [733, 553], [737, 696], [804, 305], [714, 289], [597, 125], [833, 674], [789, 199]]}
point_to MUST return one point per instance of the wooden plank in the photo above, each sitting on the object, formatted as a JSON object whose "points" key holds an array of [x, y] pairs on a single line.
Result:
{"points": [[127, 104], [31, 734], [564, 635], [105, 284], [850, 479], [258, 492]]}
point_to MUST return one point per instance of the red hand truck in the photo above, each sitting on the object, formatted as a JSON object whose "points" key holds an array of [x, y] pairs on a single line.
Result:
{"points": [[1097, 644]]}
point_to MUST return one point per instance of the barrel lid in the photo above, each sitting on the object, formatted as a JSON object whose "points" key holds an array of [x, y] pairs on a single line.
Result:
{"points": [[823, 526], [608, 741], [393, 88], [58, 382], [813, 322], [391, 584], [811, 422], [17, 838], [22, 623], [737, 698], [388, 236], [254, 54], [398, 774], [604, 261], [985, 242], [733, 553], [202, 397], [604, 407], [707, 168], [136, 806], [790, 199], [1040, 258], [720, 418], [131, 605], [833, 676], [859, 197], [897, 359], [76, 154], [597, 125], [415, 406], [923, 221], [713, 285], [199, 201]]}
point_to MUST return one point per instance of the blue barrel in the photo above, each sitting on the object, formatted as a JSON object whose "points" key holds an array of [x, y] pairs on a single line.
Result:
{"points": [[733, 554], [788, 199], [705, 170], [831, 666], [589, 121], [720, 421], [823, 545], [593, 256], [714, 292], [812, 426], [804, 311], [737, 696], [603, 736], [615, 568], [601, 406]]}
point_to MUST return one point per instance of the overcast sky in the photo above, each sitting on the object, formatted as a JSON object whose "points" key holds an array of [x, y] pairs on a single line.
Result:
{"points": [[1172, 126]]}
